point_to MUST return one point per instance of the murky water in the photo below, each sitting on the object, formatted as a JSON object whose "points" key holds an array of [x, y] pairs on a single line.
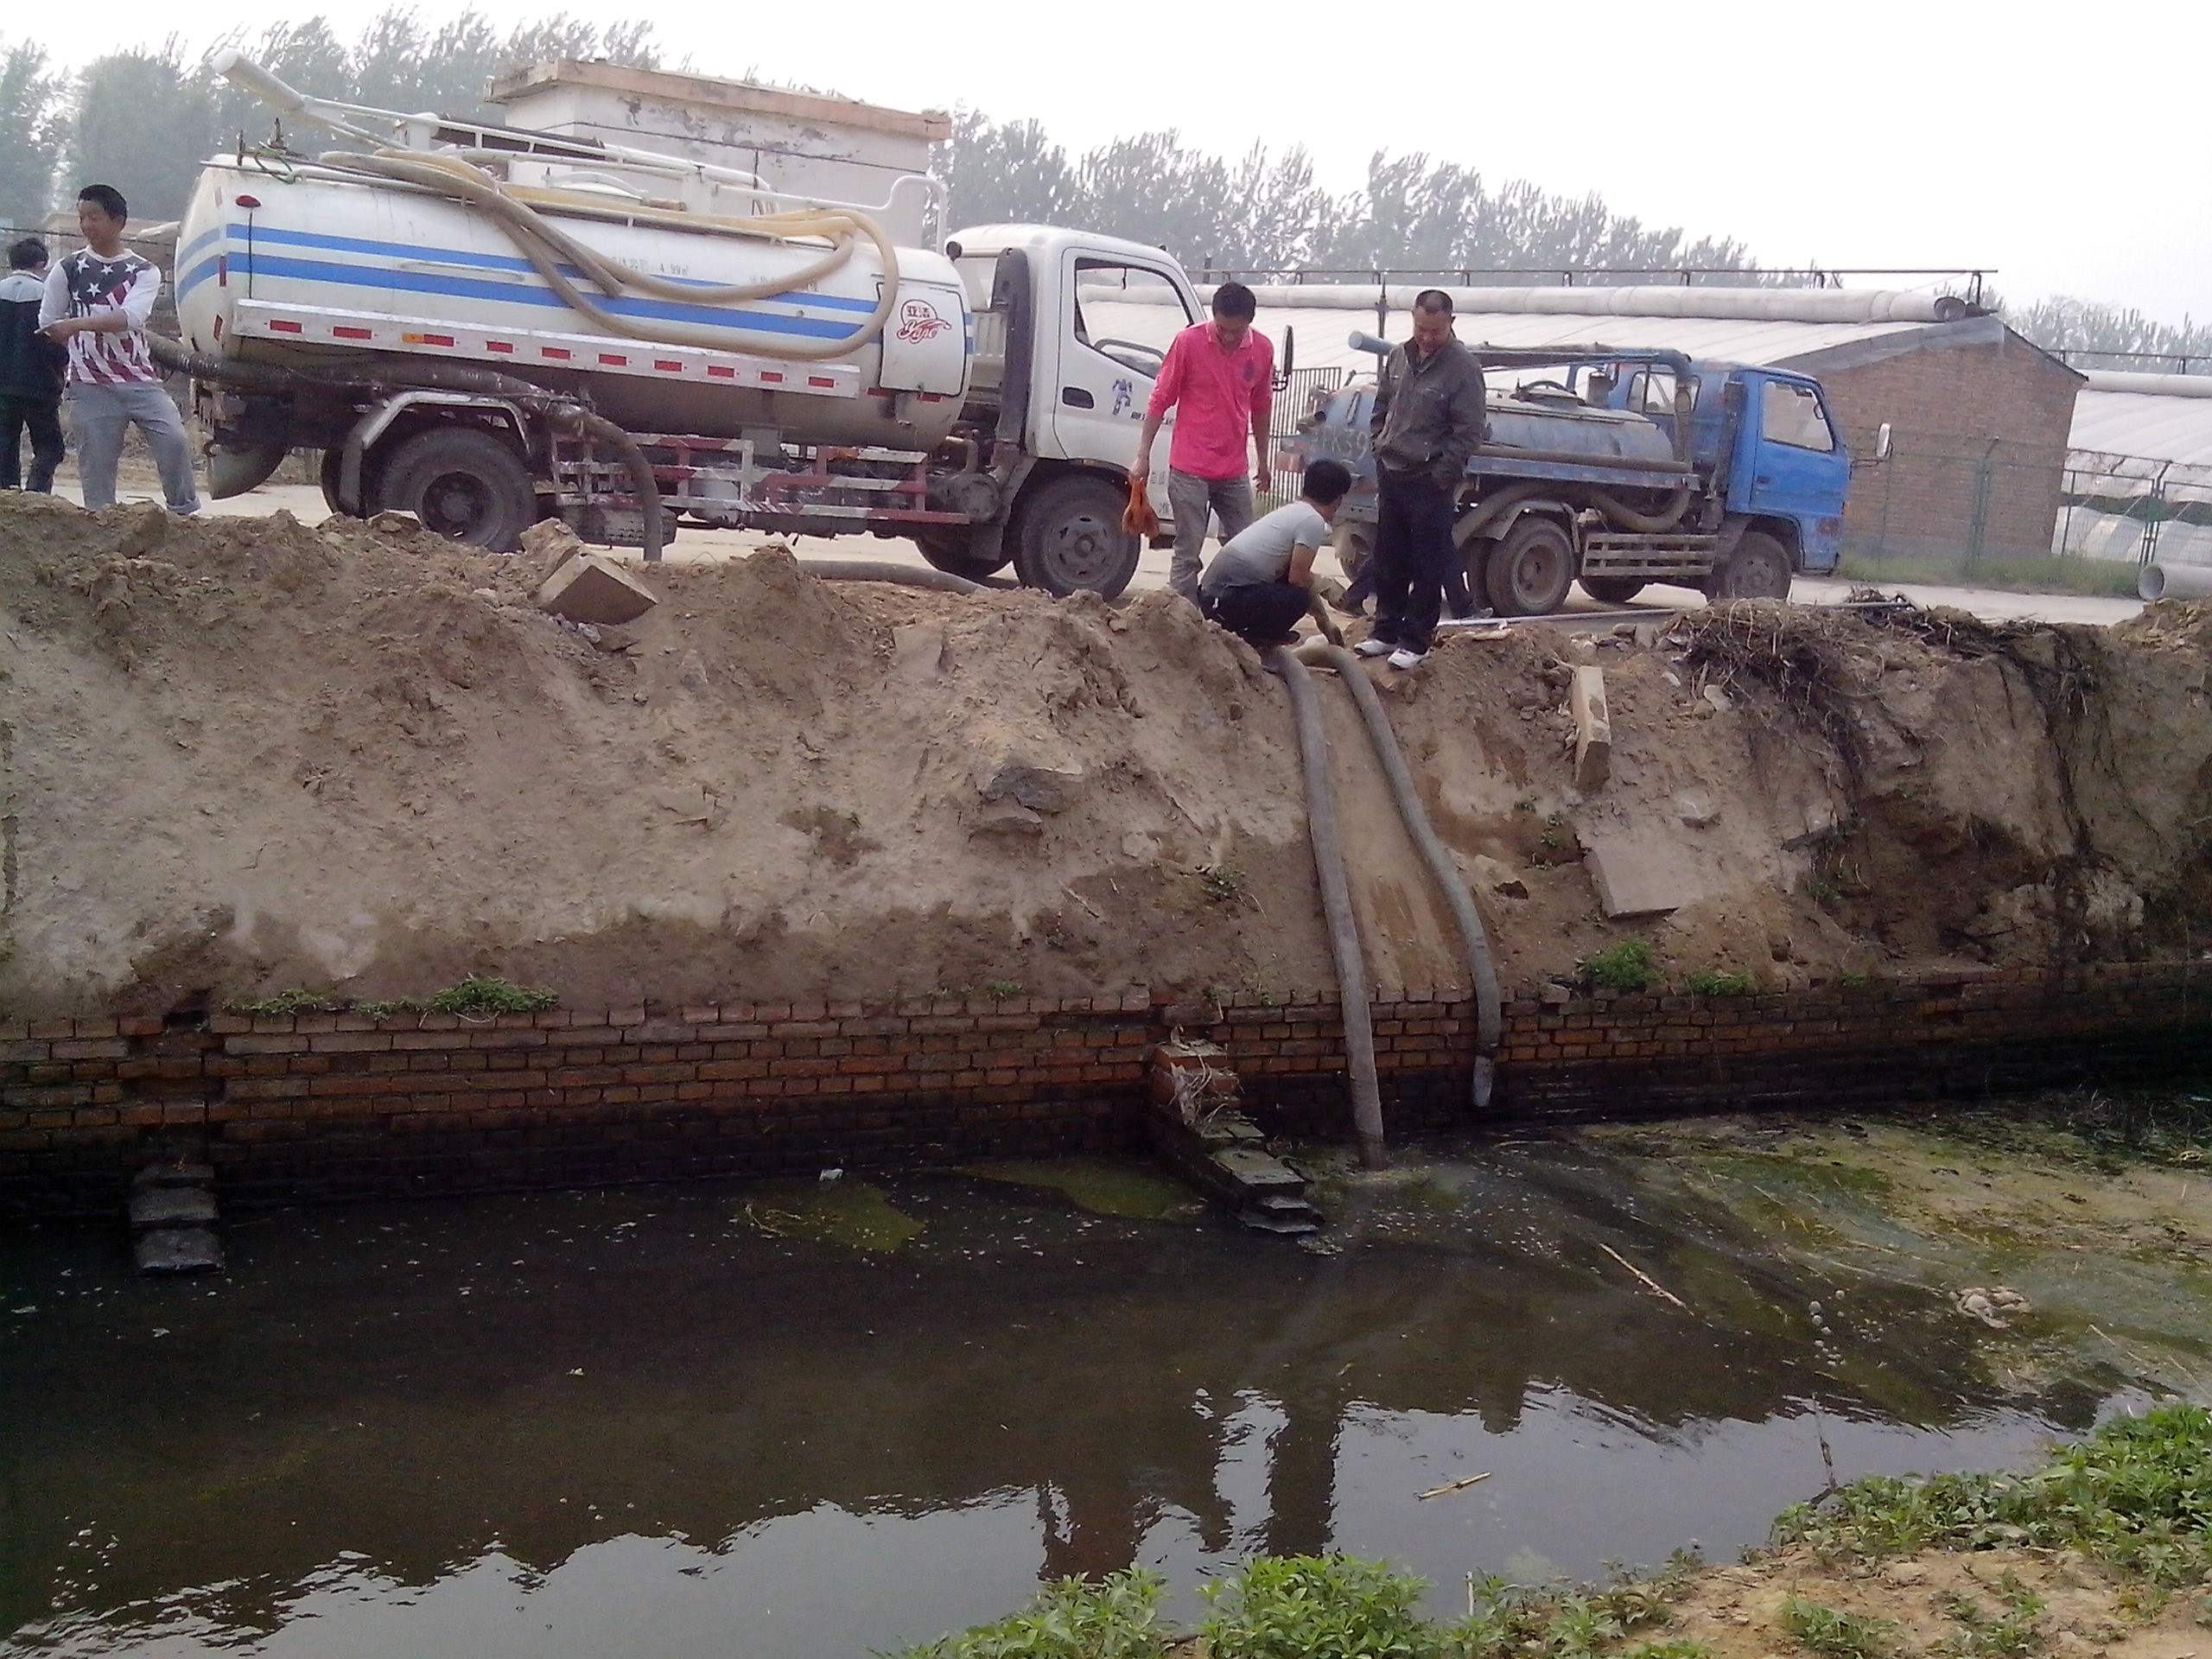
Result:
{"points": [[717, 1421]]}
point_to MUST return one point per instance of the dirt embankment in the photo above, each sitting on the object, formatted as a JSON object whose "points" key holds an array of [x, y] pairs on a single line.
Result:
{"points": [[242, 756]]}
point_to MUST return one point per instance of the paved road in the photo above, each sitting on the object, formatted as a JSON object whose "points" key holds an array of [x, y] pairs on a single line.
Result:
{"points": [[306, 504]]}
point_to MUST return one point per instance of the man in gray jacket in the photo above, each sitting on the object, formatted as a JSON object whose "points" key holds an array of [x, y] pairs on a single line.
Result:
{"points": [[1429, 419]]}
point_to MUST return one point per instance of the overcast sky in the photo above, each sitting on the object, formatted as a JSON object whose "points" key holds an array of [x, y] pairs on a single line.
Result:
{"points": [[2062, 147]]}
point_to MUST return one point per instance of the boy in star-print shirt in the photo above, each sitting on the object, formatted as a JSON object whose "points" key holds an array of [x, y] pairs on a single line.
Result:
{"points": [[97, 303]]}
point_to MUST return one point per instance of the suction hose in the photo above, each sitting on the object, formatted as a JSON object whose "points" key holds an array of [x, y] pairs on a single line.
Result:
{"points": [[1336, 905], [564, 414], [546, 245], [941, 582], [1621, 516], [1489, 1020]]}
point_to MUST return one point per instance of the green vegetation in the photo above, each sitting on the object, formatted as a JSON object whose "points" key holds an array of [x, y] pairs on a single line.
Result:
{"points": [[1224, 884], [1720, 981], [1631, 965], [2112, 578], [2135, 1497], [1003, 990], [853, 1215], [1117, 1618], [2013, 1634], [1317, 1607], [287, 1002], [1844, 1635], [389, 1007], [482, 995]]}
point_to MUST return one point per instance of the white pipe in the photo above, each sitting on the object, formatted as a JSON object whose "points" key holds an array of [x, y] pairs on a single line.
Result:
{"points": [[2175, 582]]}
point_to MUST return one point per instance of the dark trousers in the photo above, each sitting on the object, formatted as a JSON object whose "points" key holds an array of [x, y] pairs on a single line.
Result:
{"points": [[1457, 599], [1261, 613], [43, 417], [1413, 556]]}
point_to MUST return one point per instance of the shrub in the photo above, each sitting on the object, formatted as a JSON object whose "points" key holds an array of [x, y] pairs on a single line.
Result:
{"points": [[1631, 965], [1116, 1619], [1317, 1607]]}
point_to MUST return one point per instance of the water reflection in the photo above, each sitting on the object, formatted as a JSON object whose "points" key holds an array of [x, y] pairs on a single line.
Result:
{"points": [[593, 1423]]}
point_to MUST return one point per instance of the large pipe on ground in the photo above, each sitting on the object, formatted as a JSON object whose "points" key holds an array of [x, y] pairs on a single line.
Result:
{"points": [[2174, 581], [1474, 940], [1336, 905]]}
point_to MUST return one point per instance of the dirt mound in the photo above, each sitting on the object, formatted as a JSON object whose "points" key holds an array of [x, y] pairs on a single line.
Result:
{"points": [[243, 756]]}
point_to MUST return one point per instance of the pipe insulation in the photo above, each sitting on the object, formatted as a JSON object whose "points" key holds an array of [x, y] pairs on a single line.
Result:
{"points": [[1352, 991], [1474, 940]]}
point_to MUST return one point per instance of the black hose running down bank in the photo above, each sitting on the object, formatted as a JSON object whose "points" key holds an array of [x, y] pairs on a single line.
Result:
{"points": [[1336, 905], [565, 414], [1490, 1021]]}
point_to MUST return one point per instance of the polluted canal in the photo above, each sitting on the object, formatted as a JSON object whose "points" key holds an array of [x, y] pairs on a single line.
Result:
{"points": [[830, 1417]]}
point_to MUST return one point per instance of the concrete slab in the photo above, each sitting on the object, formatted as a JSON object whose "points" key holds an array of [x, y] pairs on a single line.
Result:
{"points": [[171, 1206], [590, 587], [1640, 877], [178, 1249], [1593, 729]]}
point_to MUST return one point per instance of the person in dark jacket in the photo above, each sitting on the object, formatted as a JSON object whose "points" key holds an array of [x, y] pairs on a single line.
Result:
{"points": [[30, 373]]}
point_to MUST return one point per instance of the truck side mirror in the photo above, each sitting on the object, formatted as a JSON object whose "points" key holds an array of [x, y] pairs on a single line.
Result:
{"points": [[1882, 442]]}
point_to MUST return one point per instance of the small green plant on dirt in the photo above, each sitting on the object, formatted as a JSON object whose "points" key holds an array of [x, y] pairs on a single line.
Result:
{"points": [[1681, 1647], [285, 1003], [1554, 830], [1856, 981], [1117, 1618], [1720, 981], [2016, 1633], [1317, 1607], [1511, 1621], [481, 996], [1224, 884], [1830, 1631], [2133, 1496], [1003, 990], [389, 1008], [1631, 965]]}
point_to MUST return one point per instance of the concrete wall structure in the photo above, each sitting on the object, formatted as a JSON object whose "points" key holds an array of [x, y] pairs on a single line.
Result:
{"points": [[323, 1106]]}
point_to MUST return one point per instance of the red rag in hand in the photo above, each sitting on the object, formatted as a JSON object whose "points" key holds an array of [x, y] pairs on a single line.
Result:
{"points": [[1138, 519]]}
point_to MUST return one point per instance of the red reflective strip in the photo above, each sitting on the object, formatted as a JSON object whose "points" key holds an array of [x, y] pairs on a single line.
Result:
{"points": [[873, 391], [721, 371], [502, 346], [665, 367], [223, 271], [347, 331], [437, 340], [614, 360], [771, 377], [280, 326], [820, 380], [560, 351]]}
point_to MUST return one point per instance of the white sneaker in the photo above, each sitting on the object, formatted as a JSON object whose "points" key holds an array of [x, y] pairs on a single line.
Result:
{"points": [[1403, 659], [1371, 648]]}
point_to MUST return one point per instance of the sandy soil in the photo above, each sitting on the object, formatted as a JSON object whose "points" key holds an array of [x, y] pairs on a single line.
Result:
{"points": [[243, 756]]}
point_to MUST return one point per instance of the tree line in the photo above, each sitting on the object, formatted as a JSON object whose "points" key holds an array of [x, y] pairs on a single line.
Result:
{"points": [[145, 118]]}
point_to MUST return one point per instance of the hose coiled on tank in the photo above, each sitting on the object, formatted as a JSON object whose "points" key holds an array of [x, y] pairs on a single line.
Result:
{"points": [[546, 245]]}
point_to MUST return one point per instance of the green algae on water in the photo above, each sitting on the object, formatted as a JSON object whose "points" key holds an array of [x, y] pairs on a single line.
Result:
{"points": [[853, 1215], [1104, 1186]]}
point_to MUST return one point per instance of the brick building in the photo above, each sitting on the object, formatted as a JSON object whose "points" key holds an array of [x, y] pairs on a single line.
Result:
{"points": [[1979, 417]]}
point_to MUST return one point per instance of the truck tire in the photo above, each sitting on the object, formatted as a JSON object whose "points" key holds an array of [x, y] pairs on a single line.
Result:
{"points": [[461, 484], [947, 550], [1758, 569], [1611, 590], [1352, 550], [1528, 574], [1070, 539]]}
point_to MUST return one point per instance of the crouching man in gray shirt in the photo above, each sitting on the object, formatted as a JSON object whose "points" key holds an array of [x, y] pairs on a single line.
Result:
{"points": [[1258, 585]]}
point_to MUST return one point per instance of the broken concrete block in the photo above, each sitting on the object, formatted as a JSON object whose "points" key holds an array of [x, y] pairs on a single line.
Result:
{"points": [[549, 545], [1487, 873], [178, 1249], [615, 640], [171, 1206], [1717, 698], [1637, 877], [1008, 818], [389, 523], [592, 588], [1696, 809], [1593, 728], [917, 652], [1041, 789]]}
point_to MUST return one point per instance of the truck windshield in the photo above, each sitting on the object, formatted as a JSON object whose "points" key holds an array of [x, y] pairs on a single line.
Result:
{"points": [[1793, 415], [1653, 391]]}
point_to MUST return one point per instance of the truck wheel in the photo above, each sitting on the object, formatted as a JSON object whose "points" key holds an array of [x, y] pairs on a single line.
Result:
{"points": [[1611, 590], [1071, 538], [948, 550], [1758, 569], [1530, 572], [464, 484]]}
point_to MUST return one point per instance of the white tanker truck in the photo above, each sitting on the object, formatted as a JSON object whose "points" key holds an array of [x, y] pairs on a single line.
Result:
{"points": [[485, 327]]}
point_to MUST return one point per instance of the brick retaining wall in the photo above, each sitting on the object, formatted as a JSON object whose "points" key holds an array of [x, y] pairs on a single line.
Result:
{"points": [[319, 1106]]}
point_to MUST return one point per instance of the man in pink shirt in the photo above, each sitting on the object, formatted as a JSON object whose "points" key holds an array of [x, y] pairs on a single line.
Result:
{"points": [[1219, 377]]}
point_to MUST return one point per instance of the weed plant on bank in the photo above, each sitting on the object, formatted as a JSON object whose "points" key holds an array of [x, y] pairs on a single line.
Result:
{"points": [[2135, 1498]]}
